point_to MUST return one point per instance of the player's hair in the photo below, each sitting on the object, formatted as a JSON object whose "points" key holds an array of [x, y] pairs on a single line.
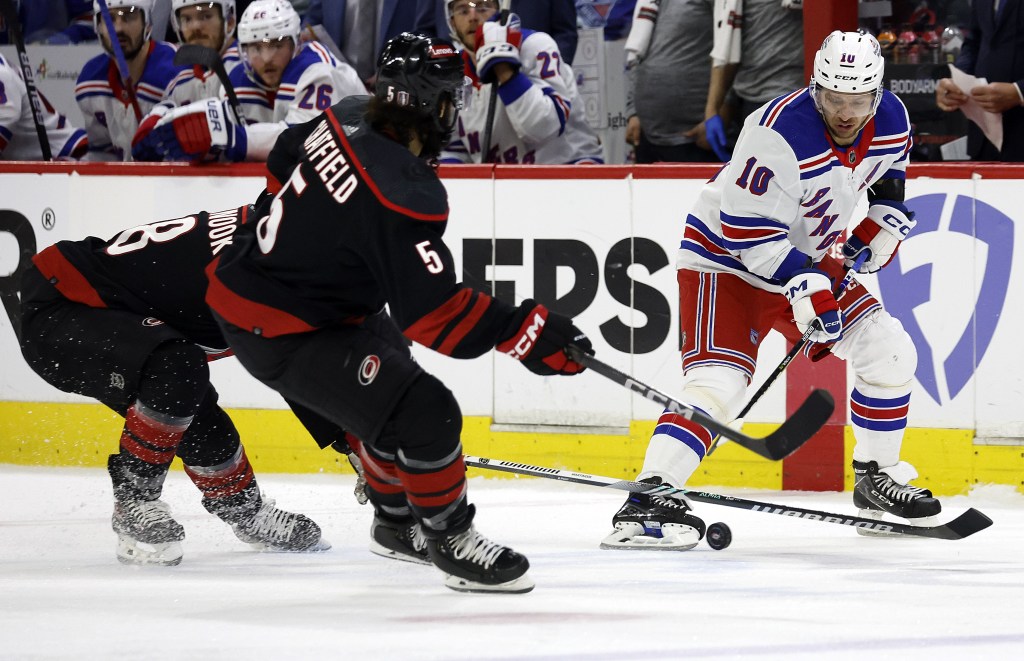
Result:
{"points": [[403, 124], [419, 87], [227, 12]]}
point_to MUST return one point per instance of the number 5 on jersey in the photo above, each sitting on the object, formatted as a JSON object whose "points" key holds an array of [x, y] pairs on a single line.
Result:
{"points": [[266, 227], [429, 257]]}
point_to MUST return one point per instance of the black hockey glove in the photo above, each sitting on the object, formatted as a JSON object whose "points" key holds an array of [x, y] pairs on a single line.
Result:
{"points": [[541, 339]]}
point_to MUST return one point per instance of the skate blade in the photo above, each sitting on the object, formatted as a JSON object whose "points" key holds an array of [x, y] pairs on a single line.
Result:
{"points": [[876, 515], [265, 547], [519, 585], [130, 551], [385, 552], [628, 538]]}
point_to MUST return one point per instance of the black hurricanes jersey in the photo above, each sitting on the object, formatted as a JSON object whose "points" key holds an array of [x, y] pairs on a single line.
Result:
{"points": [[155, 270], [357, 223]]}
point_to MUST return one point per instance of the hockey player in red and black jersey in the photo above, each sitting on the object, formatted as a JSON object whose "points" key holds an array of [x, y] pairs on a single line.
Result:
{"points": [[124, 321], [357, 223]]}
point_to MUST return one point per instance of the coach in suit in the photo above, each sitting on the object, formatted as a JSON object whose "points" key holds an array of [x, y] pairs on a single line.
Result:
{"points": [[395, 17], [555, 17], [994, 50]]}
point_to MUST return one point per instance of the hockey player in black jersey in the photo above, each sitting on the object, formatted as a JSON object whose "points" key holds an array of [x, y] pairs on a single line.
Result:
{"points": [[124, 321], [357, 223]]}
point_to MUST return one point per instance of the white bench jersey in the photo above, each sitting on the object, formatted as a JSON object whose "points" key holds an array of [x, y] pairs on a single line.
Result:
{"points": [[538, 118], [19, 140], [109, 117], [312, 82]]}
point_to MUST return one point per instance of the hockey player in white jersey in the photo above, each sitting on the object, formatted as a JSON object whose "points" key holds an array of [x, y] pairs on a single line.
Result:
{"points": [[281, 83], [755, 256], [19, 140], [539, 113], [209, 23], [111, 118]]}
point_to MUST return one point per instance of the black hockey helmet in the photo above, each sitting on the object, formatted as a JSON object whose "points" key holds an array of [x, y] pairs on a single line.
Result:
{"points": [[424, 74]]}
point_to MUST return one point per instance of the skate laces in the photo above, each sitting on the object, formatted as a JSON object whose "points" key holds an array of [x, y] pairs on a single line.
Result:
{"points": [[474, 547], [271, 522], [671, 503], [147, 513], [416, 537], [898, 492]]}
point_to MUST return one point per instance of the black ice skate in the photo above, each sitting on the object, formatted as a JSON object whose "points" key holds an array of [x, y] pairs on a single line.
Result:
{"points": [[147, 534], [885, 490], [256, 521], [399, 540], [476, 564], [654, 523]]}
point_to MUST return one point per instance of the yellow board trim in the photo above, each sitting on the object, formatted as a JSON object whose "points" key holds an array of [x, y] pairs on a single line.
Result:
{"points": [[48, 434]]}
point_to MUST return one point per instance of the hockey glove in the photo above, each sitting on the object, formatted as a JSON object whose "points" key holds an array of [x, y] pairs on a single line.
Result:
{"points": [[714, 130], [887, 223], [810, 294], [200, 130], [497, 44], [541, 339], [145, 146]]}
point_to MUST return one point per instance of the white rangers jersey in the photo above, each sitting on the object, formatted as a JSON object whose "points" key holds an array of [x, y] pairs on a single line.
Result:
{"points": [[789, 188], [538, 118], [109, 117], [195, 82], [19, 140], [312, 82]]}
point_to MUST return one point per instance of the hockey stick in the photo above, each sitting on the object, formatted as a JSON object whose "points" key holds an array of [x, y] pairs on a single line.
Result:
{"points": [[14, 25], [206, 57], [794, 432], [492, 102], [122, 64], [962, 526], [797, 348]]}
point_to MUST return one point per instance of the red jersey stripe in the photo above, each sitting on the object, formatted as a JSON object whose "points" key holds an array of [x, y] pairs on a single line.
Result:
{"points": [[70, 282]]}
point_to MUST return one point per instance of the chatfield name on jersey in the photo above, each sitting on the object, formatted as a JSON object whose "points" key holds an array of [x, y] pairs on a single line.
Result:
{"points": [[330, 163]]}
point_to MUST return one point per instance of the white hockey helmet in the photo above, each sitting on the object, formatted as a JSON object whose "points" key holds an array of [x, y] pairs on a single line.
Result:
{"points": [[227, 12], [146, 6], [849, 63], [269, 19]]}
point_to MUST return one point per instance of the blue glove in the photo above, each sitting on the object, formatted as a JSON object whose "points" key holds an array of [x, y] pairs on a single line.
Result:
{"points": [[714, 130], [202, 130], [814, 305]]}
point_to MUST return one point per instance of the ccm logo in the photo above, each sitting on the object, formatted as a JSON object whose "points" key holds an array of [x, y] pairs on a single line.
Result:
{"points": [[526, 340], [368, 370]]}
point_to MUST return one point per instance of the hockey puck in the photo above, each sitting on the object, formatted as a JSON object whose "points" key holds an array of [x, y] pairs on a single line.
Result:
{"points": [[719, 536]]}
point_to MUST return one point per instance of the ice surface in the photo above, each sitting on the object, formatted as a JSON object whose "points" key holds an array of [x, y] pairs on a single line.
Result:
{"points": [[785, 589]]}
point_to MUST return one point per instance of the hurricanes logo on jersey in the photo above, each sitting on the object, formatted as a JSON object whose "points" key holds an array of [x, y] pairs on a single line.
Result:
{"points": [[368, 370]]}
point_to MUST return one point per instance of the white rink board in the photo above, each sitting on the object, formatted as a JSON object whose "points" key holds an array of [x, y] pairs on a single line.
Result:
{"points": [[960, 292]]}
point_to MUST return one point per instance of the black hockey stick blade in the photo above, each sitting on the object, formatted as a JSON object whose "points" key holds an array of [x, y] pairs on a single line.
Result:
{"points": [[206, 57], [784, 441], [965, 525], [192, 54]]}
